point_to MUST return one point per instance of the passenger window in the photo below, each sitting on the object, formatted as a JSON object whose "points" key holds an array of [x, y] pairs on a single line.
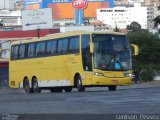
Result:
{"points": [[22, 49], [74, 44], [63, 46], [40, 48], [31, 49], [51, 47], [15, 52]]}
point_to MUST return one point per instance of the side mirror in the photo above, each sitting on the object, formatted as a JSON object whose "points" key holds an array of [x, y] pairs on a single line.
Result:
{"points": [[91, 48], [135, 50]]}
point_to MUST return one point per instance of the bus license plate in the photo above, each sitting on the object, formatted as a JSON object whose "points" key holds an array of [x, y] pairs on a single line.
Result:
{"points": [[114, 81]]}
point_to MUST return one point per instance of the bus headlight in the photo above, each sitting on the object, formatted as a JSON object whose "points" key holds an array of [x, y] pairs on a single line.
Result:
{"points": [[98, 74], [128, 75]]}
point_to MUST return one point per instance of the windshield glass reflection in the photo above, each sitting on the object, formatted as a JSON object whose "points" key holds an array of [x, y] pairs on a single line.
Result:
{"points": [[111, 52]]}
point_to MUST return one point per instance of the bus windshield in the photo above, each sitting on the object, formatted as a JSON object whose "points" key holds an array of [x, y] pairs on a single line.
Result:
{"points": [[111, 52]]}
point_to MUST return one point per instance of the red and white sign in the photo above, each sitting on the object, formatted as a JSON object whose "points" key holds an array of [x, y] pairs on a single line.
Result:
{"points": [[79, 4]]}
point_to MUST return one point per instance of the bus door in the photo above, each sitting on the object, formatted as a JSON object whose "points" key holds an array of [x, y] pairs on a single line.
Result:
{"points": [[62, 50], [86, 59], [73, 60]]}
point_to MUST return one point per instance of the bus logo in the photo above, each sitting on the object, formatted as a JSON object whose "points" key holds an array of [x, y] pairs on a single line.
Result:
{"points": [[79, 4]]}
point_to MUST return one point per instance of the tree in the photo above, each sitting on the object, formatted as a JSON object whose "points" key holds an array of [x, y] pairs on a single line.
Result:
{"points": [[148, 60], [156, 21], [134, 26]]}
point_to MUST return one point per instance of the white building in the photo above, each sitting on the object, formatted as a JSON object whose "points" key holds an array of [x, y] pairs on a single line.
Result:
{"points": [[135, 1], [122, 16], [10, 18], [131, 2], [151, 14], [7, 4]]}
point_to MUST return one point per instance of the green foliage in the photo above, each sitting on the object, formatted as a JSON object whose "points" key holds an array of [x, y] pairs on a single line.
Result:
{"points": [[146, 73], [148, 59], [134, 26], [156, 21]]}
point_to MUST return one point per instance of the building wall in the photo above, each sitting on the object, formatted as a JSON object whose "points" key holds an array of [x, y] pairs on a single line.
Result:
{"points": [[90, 11], [10, 18], [30, 33], [143, 2], [151, 14], [152, 2], [116, 16], [123, 16], [65, 10], [6, 4], [62, 11]]}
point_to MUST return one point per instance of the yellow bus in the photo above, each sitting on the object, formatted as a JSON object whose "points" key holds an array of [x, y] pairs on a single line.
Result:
{"points": [[77, 59]]}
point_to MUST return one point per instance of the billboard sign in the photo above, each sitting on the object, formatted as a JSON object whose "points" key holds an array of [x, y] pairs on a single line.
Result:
{"points": [[37, 19], [79, 4]]}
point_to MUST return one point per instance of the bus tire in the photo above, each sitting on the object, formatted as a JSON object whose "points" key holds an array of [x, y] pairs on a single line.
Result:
{"points": [[112, 87], [79, 85], [68, 89], [27, 87], [56, 89], [35, 87]]}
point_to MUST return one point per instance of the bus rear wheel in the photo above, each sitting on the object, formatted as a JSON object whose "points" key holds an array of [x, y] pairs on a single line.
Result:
{"points": [[112, 87], [79, 85], [26, 86], [35, 87]]}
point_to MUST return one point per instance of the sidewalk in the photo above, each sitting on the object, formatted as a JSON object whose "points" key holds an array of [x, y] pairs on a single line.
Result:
{"points": [[155, 83]]}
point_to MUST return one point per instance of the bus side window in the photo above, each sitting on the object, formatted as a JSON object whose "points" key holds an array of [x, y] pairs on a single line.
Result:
{"points": [[40, 49], [86, 56], [31, 50], [22, 49], [14, 54], [74, 45], [51, 47], [63, 46]]}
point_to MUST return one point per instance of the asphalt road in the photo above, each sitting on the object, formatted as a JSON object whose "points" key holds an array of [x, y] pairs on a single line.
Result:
{"points": [[126, 100]]}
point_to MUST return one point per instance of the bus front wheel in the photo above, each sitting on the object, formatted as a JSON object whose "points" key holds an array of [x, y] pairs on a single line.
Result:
{"points": [[79, 85], [112, 87]]}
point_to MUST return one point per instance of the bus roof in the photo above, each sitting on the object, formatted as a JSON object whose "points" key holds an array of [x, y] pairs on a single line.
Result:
{"points": [[65, 34]]}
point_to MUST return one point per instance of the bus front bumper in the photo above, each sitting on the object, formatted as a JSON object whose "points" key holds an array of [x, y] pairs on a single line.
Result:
{"points": [[102, 80]]}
